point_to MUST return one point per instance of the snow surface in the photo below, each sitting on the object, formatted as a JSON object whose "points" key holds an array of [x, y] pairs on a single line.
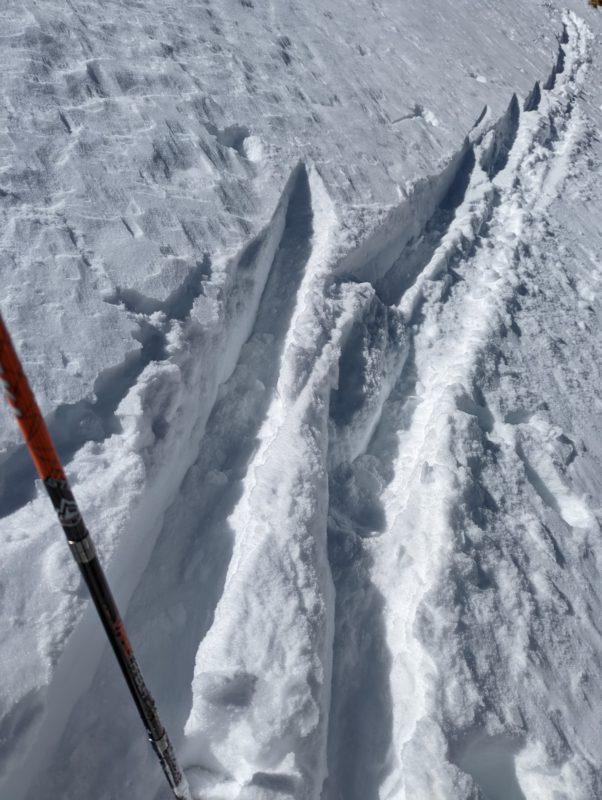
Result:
{"points": [[309, 293]]}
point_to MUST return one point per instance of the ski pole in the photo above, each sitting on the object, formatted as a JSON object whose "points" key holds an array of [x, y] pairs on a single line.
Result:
{"points": [[47, 462]]}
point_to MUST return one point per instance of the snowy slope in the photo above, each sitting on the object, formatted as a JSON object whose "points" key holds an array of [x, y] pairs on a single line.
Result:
{"points": [[309, 295]]}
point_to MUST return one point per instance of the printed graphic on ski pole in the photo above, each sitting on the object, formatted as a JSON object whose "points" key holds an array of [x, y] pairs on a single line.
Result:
{"points": [[49, 467]]}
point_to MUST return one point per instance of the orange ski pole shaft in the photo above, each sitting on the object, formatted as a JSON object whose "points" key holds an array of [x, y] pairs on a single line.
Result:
{"points": [[49, 467]]}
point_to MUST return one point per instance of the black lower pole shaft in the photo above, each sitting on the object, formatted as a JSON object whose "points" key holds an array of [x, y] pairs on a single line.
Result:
{"points": [[50, 469]]}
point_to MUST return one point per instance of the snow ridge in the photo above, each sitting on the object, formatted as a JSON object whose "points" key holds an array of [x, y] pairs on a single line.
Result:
{"points": [[389, 534], [398, 383], [304, 413], [161, 420]]}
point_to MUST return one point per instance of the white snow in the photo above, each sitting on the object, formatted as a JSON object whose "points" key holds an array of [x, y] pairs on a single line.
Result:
{"points": [[309, 295]]}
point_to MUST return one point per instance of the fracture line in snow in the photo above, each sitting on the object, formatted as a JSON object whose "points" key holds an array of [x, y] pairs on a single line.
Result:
{"points": [[548, 135], [436, 328], [474, 308], [181, 391], [455, 303], [279, 520]]}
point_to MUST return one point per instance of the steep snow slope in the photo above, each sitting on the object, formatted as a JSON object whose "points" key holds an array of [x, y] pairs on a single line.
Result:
{"points": [[321, 353]]}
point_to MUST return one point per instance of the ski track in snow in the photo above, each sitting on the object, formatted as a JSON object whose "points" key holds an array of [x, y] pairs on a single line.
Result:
{"points": [[343, 544]]}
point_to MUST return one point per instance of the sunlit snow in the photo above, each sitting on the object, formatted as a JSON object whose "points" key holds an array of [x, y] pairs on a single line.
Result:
{"points": [[309, 296]]}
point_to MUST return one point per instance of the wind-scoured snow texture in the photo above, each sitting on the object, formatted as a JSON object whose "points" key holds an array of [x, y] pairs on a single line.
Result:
{"points": [[321, 355]]}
